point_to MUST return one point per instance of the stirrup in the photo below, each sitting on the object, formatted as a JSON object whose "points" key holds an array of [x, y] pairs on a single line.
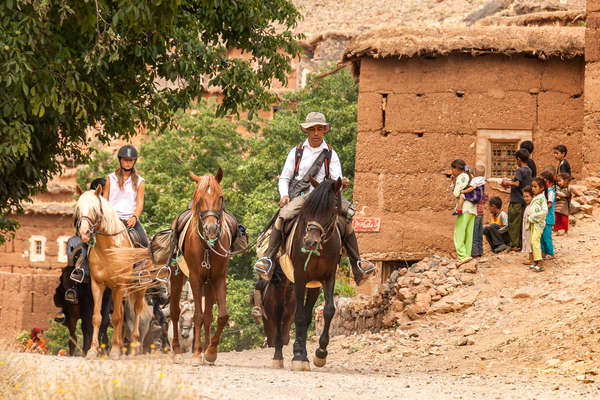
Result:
{"points": [[370, 267], [261, 270], [163, 280], [71, 296], [77, 275]]}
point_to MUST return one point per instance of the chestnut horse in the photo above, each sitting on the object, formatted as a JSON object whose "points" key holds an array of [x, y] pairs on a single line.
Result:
{"points": [[100, 227], [205, 250], [315, 254]]}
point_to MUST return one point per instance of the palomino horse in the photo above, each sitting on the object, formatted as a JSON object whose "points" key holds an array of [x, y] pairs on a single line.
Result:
{"points": [[279, 303], [100, 227], [205, 250], [315, 253]]}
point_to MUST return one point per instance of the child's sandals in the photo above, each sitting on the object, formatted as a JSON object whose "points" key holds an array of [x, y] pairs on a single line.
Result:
{"points": [[538, 268]]}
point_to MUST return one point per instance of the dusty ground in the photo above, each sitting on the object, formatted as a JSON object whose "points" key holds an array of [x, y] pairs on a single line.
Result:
{"points": [[527, 336]]}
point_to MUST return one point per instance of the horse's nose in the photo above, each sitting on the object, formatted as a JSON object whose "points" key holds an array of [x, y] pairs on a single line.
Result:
{"points": [[185, 334], [310, 243], [212, 230]]}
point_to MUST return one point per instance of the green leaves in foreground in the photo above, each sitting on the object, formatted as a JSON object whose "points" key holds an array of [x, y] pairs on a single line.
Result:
{"points": [[71, 65]]}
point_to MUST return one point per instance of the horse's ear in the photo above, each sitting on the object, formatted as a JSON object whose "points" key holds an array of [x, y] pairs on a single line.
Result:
{"points": [[337, 185], [98, 191], [314, 182], [78, 190], [219, 175], [194, 176]]}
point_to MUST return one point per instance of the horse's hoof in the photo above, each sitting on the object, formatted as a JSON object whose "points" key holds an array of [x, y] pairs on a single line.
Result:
{"points": [[277, 364], [178, 359], [114, 355], [210, 356], [319, 362], [300, 366], [196, 360], [91, 355]]}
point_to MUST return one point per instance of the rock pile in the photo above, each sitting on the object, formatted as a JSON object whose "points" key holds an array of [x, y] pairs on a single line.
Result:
{"points": [[427, 287], [586, 197]]}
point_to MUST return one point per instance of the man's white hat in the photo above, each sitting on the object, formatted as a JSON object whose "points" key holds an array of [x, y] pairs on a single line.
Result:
{"points": [[314, 118]]}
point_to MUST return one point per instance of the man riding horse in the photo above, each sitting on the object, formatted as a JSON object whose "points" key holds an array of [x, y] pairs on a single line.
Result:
{"points": [[312, 158]]}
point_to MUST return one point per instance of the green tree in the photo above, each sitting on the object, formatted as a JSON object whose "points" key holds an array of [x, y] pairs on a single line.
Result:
{"points": [[70, 65]]}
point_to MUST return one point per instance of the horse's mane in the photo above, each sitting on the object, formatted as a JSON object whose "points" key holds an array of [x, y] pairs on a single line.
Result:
{"points": [[321, 201], [89, 205], [206, 184]]}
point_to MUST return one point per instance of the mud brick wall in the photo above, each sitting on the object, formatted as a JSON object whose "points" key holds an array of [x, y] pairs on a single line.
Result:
{"points": [[27, 287], [14, 256], [591, 132], [26, 302], [415, 116]]}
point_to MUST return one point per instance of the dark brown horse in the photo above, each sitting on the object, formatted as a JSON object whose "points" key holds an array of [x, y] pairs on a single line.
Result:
{"points": [[315, 254], [83, 310], [279, 304], [205, 250]]}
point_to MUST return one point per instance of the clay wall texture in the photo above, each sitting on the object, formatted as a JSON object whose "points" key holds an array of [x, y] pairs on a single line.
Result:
{"points": [[27, 287], [591, 132], [26, 302], [434, 108]]}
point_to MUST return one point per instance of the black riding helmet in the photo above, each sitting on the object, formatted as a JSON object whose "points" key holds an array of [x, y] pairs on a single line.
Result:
{"points": [[128, 151]]}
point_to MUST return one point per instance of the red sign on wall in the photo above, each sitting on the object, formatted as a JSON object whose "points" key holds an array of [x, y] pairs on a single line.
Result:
{"points": [[363, 224]]}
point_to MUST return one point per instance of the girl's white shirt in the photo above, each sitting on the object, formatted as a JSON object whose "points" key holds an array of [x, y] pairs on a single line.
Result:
{"points": [[124, 201]]}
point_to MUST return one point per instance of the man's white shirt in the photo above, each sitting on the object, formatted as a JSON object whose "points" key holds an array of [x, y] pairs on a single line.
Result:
{"points": [[309, 156]]}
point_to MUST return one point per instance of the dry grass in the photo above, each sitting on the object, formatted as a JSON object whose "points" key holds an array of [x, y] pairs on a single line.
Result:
{"points": [[31, 376]]}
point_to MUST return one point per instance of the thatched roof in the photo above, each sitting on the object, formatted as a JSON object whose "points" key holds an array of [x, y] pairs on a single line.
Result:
{"points": [[562, 18], [393, 42]]}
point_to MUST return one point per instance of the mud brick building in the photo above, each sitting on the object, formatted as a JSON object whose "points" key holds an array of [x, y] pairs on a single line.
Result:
{"points": [[31, 262], [428, 96]]}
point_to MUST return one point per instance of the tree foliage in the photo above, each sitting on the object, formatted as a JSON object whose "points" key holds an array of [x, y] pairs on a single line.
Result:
{"points": [[118, 65]]}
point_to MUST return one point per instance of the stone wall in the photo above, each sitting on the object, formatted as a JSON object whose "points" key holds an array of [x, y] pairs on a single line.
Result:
{"points": [[433, 285], [415, 116]]}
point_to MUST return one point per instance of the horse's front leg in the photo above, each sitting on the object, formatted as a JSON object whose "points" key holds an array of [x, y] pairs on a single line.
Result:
{"points": [[117, 320], [177, 281], [196, 283], [97, 290], [140, 303], [207, 314], [221, 291], [300, 360], [328, 313]]}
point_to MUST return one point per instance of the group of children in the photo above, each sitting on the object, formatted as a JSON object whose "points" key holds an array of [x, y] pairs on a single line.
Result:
{"points": [[539, 206]]}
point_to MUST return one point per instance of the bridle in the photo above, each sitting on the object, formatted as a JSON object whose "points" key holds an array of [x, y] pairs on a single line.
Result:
{"points": [[325, 232], [202, 215], [94, 225]]}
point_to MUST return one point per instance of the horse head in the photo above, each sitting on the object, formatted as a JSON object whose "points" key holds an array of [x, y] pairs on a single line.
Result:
{"points": [[320, 211], [186, 321], [89, 214], [208, 204]]}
